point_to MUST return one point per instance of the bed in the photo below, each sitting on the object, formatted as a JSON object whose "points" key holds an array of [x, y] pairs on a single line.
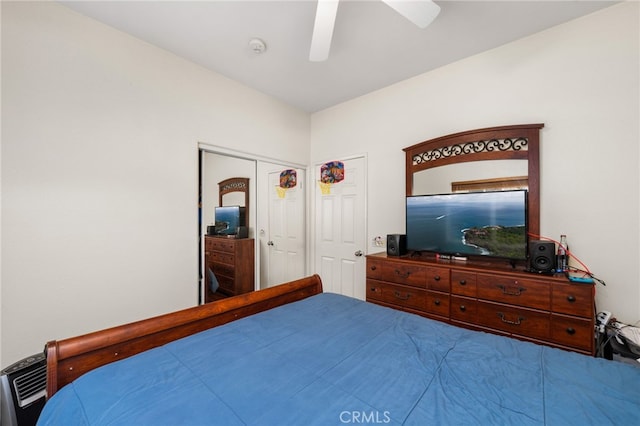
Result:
{"points": [[293, 355]]}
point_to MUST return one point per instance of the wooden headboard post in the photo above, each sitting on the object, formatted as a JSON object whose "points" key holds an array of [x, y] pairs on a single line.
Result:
{"points": [[69, 358], [514, 142]]}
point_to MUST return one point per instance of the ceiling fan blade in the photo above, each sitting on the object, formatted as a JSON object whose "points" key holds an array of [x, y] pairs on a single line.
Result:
{"points": [[420, 12], [323, 30]]}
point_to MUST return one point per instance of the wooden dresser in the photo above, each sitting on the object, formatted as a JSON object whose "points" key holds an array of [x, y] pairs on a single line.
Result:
{"points": [[232, 262], [539, 308]]}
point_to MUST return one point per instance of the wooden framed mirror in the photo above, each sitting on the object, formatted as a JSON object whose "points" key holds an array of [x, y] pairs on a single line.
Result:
{"points": [[234, 192], [476, 157]]}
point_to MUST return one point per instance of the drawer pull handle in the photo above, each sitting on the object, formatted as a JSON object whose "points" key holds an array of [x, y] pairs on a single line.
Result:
{"points": [[437, 302], [403, 274], [506, 321], [571, 299], [401, 297], [374, 289], [463, 282], [463, 308], [508, 292], [571, 331], [437, 278], [373, 268]]}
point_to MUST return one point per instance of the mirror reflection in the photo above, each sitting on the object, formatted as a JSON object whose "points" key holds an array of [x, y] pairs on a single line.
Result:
{"points": [[440, 180], [233, 199]]}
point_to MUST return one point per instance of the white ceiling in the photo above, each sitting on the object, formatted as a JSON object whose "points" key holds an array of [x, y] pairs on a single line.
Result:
{"points": [[373, 46]]}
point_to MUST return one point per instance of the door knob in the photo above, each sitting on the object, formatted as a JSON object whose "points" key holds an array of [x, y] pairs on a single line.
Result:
{"points": [[359, 253]]}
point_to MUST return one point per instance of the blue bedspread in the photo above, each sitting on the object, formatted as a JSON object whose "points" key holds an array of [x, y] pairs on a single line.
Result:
{"points": [[334, 360]]}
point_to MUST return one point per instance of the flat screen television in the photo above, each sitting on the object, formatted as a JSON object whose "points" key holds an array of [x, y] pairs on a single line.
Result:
{"points": [[469, 224], [228, 219]]}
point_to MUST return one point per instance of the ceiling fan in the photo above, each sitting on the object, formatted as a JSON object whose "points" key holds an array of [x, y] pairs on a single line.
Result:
{"points": [[420, 12]]}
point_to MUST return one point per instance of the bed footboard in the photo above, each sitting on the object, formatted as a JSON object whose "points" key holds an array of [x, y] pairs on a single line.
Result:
{"points": [[70, 358]]}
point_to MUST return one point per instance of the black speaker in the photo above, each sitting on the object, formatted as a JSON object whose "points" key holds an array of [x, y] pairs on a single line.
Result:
{"points": [[542, 256], [396, 244], [243, 232]]}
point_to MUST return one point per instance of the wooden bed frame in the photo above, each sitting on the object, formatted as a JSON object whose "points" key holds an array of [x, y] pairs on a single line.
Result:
{"points": [[70, 358]]}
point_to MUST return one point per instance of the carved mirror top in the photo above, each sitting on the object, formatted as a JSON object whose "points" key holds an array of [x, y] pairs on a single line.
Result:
{"points": [[232, 185], [235, 184], [517, 142]]}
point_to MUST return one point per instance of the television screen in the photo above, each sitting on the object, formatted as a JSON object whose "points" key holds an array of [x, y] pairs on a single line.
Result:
{"points": [[474, 223], [228, 219]]}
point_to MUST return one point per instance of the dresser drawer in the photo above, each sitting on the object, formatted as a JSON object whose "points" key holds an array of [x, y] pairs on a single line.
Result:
{"points": [[463, 283], [396, 294], [401, 273], [514, 320], [464, 309], [437, 303], [223, 269], [571, 331], [220, 257], [222, 244], [438, 279], [374, 269], [522, 292], [572, 299], [227, 285]]}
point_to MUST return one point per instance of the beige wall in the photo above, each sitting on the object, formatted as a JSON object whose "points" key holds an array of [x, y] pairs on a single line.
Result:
{"points": [[100, 137], [581, 80]]}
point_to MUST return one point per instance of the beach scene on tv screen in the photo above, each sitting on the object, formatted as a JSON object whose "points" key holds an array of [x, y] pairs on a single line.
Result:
{"points": [[227, 220], [488, 223]]}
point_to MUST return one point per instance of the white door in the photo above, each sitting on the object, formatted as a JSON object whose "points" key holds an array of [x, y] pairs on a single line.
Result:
{"points": [[286, 253], [340, 230]]}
